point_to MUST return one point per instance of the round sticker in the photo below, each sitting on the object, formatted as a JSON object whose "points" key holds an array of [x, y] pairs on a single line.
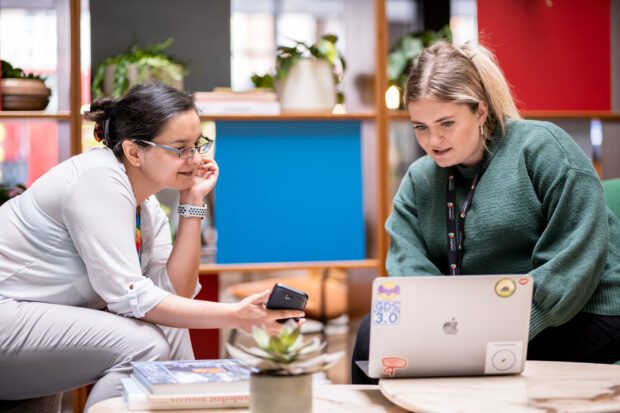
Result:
{"points": [[505, 287]]}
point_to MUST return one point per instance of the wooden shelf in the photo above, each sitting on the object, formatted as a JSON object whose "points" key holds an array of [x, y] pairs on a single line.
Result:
{"points": [[540, 114], [291, 116], [214, 269], [34, 114]]}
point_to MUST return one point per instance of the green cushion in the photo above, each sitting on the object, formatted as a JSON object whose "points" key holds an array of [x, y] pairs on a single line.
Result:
{"points": [[612, 195]]}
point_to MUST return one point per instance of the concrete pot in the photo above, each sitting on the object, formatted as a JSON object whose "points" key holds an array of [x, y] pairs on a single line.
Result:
{"points": [[270, 394], [309, 86], [24, 94]]}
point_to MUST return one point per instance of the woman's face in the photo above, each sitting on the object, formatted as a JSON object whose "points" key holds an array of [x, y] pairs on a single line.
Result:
{"points": [[449, 132], [164, 168]]}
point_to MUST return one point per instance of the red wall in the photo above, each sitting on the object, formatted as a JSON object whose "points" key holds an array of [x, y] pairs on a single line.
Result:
{"points": [[556, 58]]}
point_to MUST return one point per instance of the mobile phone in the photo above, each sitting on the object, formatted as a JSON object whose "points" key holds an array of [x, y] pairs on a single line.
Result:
{"points": [[287, 298]]}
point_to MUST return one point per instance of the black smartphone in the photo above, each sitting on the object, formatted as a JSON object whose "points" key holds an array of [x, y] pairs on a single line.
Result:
{"points": [[287, 298]]}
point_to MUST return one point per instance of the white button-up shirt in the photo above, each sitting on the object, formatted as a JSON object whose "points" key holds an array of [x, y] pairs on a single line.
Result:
{"points": [[70, 239]]}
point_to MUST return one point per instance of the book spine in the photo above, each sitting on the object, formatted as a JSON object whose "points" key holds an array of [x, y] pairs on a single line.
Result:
{"points": [[187, 402]]}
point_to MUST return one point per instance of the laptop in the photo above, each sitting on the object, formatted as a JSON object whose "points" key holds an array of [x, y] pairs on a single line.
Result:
{"points": [[449, 326]]}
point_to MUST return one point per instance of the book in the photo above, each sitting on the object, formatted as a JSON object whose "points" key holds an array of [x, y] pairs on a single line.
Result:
{"points": [[220, 94], [138, 398], [193, 376], [239, 107]]}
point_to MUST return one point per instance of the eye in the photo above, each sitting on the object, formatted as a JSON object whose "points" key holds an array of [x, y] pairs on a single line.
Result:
{"points": [[447, 124], [419, 128]]}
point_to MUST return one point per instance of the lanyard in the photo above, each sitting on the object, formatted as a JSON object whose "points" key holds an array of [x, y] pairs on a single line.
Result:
{"points": [[456, 230], [138, 236]]}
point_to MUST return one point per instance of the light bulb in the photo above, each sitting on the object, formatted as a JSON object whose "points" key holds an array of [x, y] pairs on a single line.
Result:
{"points": [[392, 97]]}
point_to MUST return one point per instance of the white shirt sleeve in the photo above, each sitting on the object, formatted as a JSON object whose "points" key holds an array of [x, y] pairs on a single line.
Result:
{"points": [[99, 213]]}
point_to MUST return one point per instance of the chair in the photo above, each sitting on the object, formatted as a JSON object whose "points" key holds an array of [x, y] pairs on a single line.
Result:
{"points": [[326, 288], [611, 187]]}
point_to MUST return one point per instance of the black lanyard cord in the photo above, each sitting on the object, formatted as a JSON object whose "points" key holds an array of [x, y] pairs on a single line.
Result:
{"points": [[456, 226]]}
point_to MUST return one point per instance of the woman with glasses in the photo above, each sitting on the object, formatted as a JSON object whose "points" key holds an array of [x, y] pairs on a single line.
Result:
{"points": [[89, 277]]}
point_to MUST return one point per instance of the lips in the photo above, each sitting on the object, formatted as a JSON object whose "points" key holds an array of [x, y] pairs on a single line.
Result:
{"points": [[188, 173], [440, 152]]}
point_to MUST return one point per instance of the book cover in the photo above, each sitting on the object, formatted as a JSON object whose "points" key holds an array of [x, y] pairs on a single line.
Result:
{"points": [[242, 107], [193, 376], [138, 398]]}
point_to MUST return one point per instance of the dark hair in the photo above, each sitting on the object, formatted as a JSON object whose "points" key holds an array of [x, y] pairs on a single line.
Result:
{"points": [[141, 114]]}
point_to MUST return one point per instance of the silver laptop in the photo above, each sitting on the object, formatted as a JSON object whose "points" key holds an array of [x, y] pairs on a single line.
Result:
{"points": [[449, 326]]}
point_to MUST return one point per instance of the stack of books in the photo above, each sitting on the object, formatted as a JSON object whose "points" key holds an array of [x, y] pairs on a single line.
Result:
{"points": [[191, 384], [227, 102]]}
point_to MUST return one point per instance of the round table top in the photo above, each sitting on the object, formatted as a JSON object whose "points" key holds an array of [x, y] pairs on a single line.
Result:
{"points": [[543, 386], [325, 399]]}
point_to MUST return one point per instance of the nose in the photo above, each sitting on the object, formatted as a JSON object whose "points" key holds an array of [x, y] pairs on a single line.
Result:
{"points": [[194, 156], [435, 138]]}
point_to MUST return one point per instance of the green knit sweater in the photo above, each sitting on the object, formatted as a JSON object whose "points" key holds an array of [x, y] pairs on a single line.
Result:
{"points": [[538, 209]]}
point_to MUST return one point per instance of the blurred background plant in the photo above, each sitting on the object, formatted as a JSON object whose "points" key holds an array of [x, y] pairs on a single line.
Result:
{"points": [[116, 74], [407, 49]]}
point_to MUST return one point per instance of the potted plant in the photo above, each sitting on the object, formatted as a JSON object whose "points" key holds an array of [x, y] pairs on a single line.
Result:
{"points": [[307, 76], [407, 49], [285, 364], [116, 74], [22, 91]]}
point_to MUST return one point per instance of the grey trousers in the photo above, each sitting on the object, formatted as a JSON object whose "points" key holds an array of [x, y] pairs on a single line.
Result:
{"points": [[49, 348]]}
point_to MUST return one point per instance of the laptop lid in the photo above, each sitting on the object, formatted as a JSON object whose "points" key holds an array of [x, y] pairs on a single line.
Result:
{"points": [[449, 326]]}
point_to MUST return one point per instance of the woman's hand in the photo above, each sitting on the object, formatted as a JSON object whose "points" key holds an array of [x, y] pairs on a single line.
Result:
{"points": [[205, 178], [251, 311]]}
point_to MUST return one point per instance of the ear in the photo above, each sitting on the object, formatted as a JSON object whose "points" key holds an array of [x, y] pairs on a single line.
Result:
{"points": [[482, 112], [132, 152]]}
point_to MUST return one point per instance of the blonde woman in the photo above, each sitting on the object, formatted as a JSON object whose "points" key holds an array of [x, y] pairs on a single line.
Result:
{"points": [[517, 196]]}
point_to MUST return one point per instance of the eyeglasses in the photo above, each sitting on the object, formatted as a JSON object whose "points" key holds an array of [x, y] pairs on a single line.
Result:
{"points": [[203, 146]]}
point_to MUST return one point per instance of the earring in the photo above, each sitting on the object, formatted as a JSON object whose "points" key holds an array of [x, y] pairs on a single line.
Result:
{"points": [[481, 131]]}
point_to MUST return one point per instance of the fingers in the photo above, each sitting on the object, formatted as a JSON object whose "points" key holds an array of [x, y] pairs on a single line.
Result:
{"points": [[259, 298], [279, 314]]}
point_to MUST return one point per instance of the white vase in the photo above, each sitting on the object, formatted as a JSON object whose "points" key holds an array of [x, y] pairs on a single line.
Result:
{"points": [[309, 86], [269, 394]]}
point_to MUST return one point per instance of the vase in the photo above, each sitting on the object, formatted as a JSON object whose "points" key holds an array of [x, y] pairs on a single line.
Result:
{"points": [[308, 86], [24, 94], [270, 393]]}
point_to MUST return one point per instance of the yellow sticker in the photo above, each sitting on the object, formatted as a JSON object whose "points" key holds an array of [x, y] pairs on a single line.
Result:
{"points": [[505, 287]]}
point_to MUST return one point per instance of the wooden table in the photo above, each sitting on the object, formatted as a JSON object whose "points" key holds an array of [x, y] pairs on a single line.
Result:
{"points": [[326, 399], [543, 387]]}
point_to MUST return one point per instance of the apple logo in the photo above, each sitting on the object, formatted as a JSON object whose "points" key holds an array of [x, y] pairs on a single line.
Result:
{"points": [[450, 327]]}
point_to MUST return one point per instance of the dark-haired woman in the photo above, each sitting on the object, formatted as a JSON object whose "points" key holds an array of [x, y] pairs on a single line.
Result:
{"points": [[89, 235]]}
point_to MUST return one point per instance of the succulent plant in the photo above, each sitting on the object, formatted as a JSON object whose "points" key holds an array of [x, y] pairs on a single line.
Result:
{"points": [[285, 354]]}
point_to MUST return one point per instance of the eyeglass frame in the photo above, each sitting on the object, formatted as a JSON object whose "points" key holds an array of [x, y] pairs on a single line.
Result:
{"points": [[193, 149]]}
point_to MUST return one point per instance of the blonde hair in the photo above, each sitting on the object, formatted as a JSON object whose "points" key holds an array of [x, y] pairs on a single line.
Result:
{"points": [[468, 74]]}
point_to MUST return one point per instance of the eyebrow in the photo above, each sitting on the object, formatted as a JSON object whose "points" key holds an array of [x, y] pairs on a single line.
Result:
{"points": [[437, 121], [181, 140]]}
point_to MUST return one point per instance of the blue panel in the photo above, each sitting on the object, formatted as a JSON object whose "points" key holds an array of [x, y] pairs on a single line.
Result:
{"points": [[289, 191]]}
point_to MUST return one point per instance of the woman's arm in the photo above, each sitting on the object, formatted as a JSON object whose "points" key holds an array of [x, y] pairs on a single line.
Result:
{"points": [[174, 311], [407, 254], [182, 266]]}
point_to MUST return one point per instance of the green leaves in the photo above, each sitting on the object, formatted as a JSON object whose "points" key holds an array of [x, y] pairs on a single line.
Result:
{"points": [[150, 62], [407, 49], [288, 56], [285, 353], [10, 72]]}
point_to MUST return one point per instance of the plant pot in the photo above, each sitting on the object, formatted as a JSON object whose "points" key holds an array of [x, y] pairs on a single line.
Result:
{"points": [[136, 76], [270, 394], [309, 86], [24, 94]]}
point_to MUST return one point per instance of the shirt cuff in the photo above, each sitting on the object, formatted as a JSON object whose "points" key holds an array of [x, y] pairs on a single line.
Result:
{"points": [[140, 298]]}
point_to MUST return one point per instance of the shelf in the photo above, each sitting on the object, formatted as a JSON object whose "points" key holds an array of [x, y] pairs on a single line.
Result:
{"points": [[540, 114], [292, 116], [34, 114], [215, 269]]}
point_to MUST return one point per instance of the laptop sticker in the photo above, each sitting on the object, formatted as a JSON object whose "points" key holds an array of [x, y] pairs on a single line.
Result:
{"points": [[524, 280], [386, 312], [505, 287], [390, 364], [503, 357], [388, 290]]}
